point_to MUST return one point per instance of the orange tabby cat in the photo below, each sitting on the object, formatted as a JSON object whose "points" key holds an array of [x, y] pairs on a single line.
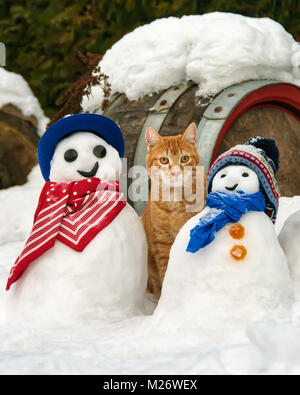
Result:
{"points": [[171, 163]]}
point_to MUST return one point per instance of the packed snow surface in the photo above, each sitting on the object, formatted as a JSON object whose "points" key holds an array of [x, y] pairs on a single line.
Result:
{"points": [[213, 50], [15, 90], [140, 344]]}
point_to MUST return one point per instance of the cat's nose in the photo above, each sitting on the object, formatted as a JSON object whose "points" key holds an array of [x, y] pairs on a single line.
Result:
{"points": [[175, 172]]}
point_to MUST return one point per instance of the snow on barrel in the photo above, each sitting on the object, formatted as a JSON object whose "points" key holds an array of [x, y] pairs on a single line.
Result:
{"points": [[22, 121], [235, 76]]}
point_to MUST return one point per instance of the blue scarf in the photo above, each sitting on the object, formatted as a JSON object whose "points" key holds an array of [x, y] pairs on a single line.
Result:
{"points": [[226, 207]]}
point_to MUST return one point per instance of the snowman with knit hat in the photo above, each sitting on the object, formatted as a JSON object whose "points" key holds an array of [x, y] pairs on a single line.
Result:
{"points": [[226, 262], [86, 256]]}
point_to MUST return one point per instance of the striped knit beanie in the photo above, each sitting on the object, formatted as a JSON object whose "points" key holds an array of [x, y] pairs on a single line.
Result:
{"points": [[262, 156]]}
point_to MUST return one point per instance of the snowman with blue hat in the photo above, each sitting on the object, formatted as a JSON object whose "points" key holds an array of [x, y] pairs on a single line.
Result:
{"points": [[226, 261], [86, 256]]}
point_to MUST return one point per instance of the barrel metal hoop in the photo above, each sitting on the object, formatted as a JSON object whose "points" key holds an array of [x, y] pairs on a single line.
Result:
{"points": [[114, 97], [115, 100], [218, 112], [155, 119]]}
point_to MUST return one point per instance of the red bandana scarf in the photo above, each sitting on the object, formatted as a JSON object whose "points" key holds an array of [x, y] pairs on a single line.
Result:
{"points": [[73, 213]]}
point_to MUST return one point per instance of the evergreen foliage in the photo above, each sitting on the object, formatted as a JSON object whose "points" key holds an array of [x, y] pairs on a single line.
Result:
{"points": [[43, 37]]}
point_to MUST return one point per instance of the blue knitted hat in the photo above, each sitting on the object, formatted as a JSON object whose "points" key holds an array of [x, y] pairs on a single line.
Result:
{"points": [[99, 124], [262, 156]]}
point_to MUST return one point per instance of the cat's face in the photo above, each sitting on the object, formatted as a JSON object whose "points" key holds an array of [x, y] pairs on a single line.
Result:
{"points": [[171, 160], [236, 178], [82, 155]]}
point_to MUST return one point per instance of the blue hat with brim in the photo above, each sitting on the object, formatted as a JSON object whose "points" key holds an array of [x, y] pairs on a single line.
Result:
{"points": [[104, 127]]}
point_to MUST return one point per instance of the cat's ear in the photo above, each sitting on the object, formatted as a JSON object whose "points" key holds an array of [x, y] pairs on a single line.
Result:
{"points": [[190, 134], [152, 138]]}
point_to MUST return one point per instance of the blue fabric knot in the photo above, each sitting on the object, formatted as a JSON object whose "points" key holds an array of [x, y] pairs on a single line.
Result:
{"points": [[226, 207]]}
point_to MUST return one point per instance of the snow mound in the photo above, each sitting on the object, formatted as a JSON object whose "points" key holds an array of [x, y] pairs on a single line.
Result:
{"points": [[289, 240], [287, 207], [18, 206], [15, 90], [214, 50], [296, 55]]}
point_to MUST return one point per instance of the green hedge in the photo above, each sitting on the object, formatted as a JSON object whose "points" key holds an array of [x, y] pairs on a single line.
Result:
{"points": [[43, 37]]}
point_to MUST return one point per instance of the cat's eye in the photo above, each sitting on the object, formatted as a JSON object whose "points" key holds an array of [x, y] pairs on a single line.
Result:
{"points": [[71, 155], [185, 159], [223, 175], [164, 160], [99, 151], [245, 174]]}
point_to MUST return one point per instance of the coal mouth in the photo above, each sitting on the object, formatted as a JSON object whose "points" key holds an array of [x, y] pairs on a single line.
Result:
{"points": [[91, 173], [232, 188]]}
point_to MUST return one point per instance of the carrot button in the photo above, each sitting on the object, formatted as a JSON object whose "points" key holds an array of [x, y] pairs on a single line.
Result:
{"points": [[237, 231], [238, 252]]}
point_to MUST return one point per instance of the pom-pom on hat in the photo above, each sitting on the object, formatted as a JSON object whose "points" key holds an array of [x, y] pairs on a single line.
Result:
{"points": [[262, 156], [104, 127]]}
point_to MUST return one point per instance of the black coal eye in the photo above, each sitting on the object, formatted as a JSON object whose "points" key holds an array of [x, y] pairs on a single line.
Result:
{"points": [[71, 155], [223, 175], [99, 151], [245, 174]]}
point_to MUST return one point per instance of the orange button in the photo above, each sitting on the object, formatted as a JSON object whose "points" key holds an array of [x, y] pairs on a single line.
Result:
{"points": [[237, 231], [238, 252]]}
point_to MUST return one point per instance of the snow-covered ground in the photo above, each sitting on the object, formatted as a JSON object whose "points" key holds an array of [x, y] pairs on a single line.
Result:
{"points": [[213, 50], [139, 345]]}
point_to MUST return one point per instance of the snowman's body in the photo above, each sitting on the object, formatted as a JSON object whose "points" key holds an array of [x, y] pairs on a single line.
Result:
{"points": [[240, 275], [107, 279]]}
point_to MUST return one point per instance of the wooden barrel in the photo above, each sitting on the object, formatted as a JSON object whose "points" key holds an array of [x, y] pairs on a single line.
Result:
{"points": [[270, 109], [18, 142]]}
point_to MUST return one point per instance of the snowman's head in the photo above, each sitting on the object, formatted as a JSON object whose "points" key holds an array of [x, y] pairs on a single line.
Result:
{"points": [[84, 154], [250, 167], [235, 178]]}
